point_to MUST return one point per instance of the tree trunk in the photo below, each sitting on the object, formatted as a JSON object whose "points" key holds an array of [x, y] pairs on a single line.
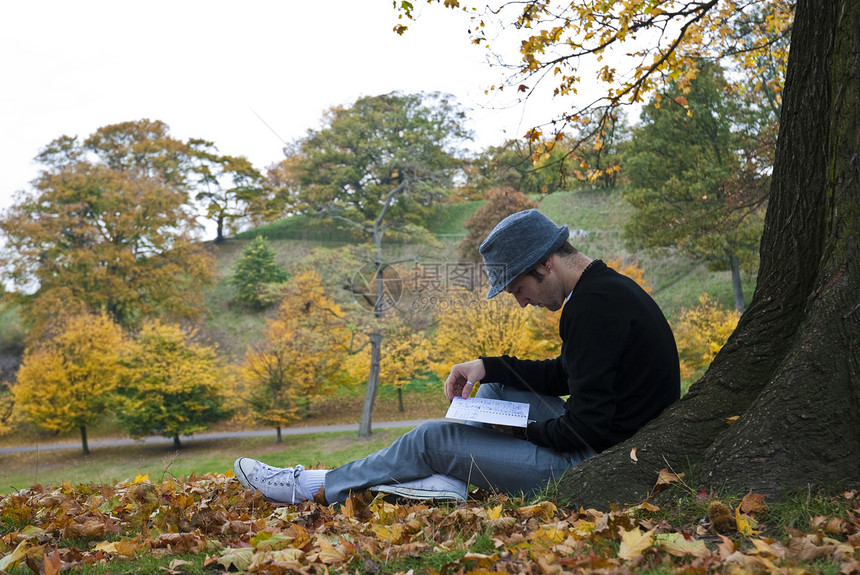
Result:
{"points": [[364, 429], [219, 230], [85, 446], [400, 400], [737, 287], [372, 384], [280, 438], [176, 443], [791, 369]]}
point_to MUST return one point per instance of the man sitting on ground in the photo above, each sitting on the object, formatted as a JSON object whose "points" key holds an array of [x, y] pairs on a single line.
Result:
{"points": [[618, 365]]}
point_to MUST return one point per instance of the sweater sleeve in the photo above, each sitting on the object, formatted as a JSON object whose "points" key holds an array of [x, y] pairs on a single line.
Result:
{"points": [[539, 376]]}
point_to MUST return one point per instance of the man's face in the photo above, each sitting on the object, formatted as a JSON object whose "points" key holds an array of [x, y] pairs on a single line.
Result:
{"points": [[529, 290]]}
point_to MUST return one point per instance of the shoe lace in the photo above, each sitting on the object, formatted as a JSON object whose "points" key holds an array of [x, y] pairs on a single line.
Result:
{"points": [[289, 476]]}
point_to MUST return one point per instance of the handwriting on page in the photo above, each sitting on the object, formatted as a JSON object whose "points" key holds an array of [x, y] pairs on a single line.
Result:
{"points": [[485, 410]]}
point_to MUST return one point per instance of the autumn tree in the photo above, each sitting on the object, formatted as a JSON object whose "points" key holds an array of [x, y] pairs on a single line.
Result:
{"points": [[680, 168], [229, 188], [173, 385], [300, 356], [788, 373], [378, 166], [701, 332], [500, 203], [66, 381], [108, 226], [253, 271], [406, 357], [470, 326]]}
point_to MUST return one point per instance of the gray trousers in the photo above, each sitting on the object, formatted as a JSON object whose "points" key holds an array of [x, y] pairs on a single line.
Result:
{"points": [[474, 453]]}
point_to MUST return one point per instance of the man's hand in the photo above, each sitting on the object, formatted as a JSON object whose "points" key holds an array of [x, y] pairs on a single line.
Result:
{"points": [[461, 375]]}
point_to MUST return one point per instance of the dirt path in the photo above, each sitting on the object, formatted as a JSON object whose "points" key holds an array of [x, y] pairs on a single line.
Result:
{"points": [[207, 436]]}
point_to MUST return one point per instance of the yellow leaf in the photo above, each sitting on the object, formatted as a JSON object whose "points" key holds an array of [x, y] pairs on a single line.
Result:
{"points": [[545, 509], [744, 523], [141, 478], [495, 512], [634, 542], [389, 533]]}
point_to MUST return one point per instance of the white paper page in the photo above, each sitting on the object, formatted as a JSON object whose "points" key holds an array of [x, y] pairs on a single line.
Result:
{"points": [[486, 410]]}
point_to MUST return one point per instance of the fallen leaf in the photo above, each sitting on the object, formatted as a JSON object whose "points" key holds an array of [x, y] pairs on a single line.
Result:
{"points": [[52, 563], [544, 509], [753, 503], [744, 523], [634, 542], [665, 476], [633, 455], [680, 546], [329, 554], [239, 559]]}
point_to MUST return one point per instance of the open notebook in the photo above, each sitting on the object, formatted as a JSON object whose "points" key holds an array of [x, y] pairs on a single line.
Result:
{"points": [[495, 411]]}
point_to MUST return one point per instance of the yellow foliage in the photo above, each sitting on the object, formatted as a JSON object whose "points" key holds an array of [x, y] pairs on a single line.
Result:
{"points": [[175, 385], [405, 355], [701, 333], [64, 383], [631, 270], [470, 326], [301, 354]]}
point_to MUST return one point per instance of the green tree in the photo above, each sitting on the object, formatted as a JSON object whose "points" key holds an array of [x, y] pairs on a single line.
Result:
{"points": [[230, 189], [680, 165], [255, 269], [66, 382], [515, 164], [173, 385], [789, 370], [108, 227], [379, 166]]}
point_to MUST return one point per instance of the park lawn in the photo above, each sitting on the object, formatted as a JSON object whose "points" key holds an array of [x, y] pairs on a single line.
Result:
{"points": [[106, 465]]}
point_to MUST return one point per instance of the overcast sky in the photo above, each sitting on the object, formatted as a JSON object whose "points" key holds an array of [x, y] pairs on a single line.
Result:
{"points": [[234, 73]]}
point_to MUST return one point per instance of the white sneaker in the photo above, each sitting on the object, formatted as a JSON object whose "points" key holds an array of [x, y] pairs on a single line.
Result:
{"points": [[281, 484], [436, 486]]}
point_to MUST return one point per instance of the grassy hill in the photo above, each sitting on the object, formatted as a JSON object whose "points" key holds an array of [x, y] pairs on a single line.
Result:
{"points": [[677, 282]]}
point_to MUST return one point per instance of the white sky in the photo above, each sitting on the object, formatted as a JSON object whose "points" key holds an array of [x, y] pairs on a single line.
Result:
{"points": [[207, 68]]}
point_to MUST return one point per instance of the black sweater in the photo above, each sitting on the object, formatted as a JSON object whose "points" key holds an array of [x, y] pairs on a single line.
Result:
{"points": [[618, 363]]}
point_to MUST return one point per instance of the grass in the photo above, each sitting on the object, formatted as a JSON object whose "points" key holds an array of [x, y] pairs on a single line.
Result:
{"points": [[448, 219], [107, 465]]}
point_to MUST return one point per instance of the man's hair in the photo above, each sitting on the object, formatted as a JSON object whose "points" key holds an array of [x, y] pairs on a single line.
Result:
{"points": [[566, 250]]}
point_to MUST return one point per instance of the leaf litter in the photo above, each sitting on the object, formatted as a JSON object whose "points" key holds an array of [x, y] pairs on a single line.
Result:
{"points": [[54, 529]]}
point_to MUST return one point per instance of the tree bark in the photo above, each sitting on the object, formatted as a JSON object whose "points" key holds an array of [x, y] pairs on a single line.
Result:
{"points": [[364, 428], [176, 443], [737, 286], [791, 369]]}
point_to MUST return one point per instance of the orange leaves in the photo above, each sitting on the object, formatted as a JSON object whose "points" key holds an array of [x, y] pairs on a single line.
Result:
{"points": [[237, 531]]}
